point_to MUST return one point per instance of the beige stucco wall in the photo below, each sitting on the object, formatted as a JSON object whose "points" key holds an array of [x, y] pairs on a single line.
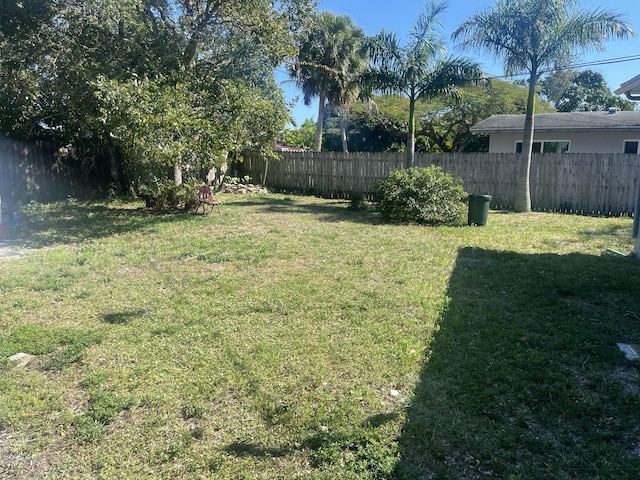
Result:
{"points": [[581, 142]]}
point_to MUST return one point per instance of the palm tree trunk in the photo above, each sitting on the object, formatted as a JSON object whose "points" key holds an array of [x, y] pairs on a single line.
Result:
{"points": [[318, 143], [343, 131], [522, 201], [411, 134]]}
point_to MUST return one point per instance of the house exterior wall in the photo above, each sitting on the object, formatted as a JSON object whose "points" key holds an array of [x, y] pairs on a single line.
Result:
{"points": [[580, 142]]}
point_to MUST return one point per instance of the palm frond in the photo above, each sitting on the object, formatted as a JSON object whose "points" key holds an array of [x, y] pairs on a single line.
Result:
{"points": [[528, 34], [448, 76]]}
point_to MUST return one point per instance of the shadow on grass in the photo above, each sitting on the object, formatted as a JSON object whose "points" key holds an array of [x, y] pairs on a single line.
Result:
{"points": [[122, 318], [524, 378], [326, 211], [63, 223], [246, 449]]}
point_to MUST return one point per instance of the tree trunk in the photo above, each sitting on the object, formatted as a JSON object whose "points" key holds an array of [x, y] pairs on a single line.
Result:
{"points": [[264, 175], [189, 54], [411, 134], [177, 175], [208, 9], [523, 194], [343, 131], [318, 143]]}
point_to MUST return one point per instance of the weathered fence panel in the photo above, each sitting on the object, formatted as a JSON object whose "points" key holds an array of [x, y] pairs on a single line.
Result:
{"points": [[43, 172], [601, 184]]}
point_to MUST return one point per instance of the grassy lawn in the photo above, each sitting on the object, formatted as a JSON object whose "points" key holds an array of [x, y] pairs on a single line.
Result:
{"points": [[292, 337]]}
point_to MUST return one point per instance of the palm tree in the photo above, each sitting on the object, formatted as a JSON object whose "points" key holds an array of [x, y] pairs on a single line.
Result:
{"points": [[529, 35], [329, 63], [419, 69], [351, 86]]}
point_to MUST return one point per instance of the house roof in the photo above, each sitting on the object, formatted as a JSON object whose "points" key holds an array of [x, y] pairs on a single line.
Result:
{"points": [[630, 88], [575, 121], [283, 147]]}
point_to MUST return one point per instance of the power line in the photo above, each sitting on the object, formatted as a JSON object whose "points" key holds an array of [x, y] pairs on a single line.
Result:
{"points": [[608, 61]]}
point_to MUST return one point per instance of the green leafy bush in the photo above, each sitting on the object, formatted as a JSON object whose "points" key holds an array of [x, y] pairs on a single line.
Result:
{"points": [[357, 201], [165, 194], [422, 195]]}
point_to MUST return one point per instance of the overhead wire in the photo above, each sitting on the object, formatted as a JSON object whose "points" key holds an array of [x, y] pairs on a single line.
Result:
{"points": [[608, 61]]}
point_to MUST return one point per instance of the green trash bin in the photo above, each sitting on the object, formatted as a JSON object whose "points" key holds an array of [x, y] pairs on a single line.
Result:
{"points": [[478, 209]]}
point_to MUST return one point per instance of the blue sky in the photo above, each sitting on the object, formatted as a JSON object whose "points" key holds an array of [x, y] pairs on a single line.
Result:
{"points": [[399, 16]]}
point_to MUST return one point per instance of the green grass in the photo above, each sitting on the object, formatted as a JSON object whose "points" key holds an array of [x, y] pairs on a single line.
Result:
{"points": [[295, 337]]}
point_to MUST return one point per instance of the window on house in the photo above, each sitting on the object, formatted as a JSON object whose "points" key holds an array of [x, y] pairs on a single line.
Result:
{"points": [[631, 146], [556, 147], [535, 149], [546, 146]]}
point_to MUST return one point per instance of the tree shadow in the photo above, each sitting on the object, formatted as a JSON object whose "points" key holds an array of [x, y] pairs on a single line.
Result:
{"points": [[524, 378], [122, 318], [328, 446], [612, 230], [65, 223], [247, 449], [330, 211]]}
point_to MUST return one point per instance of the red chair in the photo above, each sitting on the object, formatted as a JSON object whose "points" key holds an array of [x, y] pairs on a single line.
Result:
{"points": [[205, 197]]}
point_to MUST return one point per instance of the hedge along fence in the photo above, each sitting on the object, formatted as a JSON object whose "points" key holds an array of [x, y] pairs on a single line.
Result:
{"points": [[600, 184]]}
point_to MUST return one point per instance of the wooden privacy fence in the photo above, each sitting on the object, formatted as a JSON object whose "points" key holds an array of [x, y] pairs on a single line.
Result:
{"points": [[601, 184], [27, 169], [43, 172]]}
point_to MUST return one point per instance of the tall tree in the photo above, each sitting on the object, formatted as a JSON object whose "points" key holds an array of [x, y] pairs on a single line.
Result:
{"points": [[528, 35], [419, 69], [329, 64], [268, 27], [376, 125], [555, 86], [352, 86]]}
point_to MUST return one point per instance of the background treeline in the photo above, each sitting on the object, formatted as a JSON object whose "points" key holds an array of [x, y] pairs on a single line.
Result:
{"points": [[380, 124]]}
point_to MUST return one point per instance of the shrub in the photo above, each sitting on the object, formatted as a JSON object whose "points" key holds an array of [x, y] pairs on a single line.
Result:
{"points": [[422, 195], [357, 201], [164, 194]]}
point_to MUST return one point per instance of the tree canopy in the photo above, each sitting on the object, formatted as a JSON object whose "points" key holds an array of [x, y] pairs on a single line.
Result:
{"points": [[329, 65], [586, 91], [441, 125], [168, 81]]}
